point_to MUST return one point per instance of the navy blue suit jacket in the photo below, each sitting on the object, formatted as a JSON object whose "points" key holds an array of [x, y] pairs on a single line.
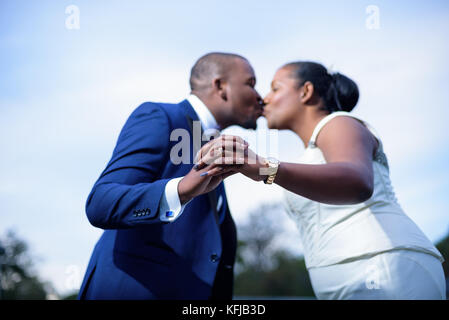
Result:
{"points": [[138, 256]]}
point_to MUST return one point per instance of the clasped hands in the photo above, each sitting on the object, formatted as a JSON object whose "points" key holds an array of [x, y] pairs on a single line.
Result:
{"points": [[229, 155], [217, 160]]}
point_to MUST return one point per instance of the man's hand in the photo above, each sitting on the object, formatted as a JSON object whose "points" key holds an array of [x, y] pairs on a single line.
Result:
{"points": [[198, 182], [232, 154], [230, 149]]}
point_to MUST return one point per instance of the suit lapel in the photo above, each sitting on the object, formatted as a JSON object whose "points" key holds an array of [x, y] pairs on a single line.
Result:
{"points": [[191, 117]]}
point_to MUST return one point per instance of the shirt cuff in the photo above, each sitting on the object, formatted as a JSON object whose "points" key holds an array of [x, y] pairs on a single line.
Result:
{"points": [[170, 208]]}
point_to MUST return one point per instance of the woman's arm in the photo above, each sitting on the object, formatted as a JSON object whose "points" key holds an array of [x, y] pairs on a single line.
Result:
{"points": [[346, 178]]}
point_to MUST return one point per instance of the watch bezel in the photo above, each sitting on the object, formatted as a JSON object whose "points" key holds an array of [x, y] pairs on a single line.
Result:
{"points": [[273, 163]]}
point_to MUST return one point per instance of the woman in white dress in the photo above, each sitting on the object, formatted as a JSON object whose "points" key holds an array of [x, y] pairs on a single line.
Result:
{"points": [[358, 242]]}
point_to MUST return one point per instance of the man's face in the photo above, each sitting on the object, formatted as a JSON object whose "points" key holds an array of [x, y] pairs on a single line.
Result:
{"points": [[245, 101]]}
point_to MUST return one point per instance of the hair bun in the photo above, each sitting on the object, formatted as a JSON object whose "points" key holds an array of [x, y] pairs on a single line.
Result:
{"points": [[347, 90]]}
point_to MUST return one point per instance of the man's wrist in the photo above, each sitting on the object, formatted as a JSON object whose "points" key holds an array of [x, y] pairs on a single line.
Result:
{"points": [[184, 196]]}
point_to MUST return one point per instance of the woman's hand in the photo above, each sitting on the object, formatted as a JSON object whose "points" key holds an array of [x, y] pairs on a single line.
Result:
{"points": [[233, 155]]}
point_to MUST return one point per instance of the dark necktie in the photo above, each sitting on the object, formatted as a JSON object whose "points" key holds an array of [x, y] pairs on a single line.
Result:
{"points": [[214, 196]]}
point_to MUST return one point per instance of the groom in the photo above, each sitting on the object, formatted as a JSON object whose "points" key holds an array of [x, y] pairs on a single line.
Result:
{"points": [[168, 230]]}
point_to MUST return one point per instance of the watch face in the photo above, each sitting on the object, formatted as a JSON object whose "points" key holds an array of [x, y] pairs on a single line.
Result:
{"points": [[273, 165], [273, 160]]}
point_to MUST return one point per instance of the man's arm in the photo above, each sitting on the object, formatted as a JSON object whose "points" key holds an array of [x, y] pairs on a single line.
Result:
{"points": [[128, 192]]}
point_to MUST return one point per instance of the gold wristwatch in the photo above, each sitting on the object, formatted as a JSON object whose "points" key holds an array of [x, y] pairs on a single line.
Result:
{"points": [[271, 170]]}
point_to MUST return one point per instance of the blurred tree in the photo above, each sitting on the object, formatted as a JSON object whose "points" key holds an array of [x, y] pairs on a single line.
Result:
{"points": [[256, 239], [17, 277], [443, 247], [262, 267], [70, 296]]}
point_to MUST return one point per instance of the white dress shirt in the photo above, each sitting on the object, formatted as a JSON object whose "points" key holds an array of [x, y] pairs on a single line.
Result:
{"points": [[170, 207]]}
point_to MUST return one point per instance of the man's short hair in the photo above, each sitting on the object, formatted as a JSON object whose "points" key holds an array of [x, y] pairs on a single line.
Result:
{"points": [[210, 66]]}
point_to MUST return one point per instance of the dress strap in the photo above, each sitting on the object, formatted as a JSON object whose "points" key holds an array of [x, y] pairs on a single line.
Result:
{"points": [[326, 119], [322, 123], [378, 157]]}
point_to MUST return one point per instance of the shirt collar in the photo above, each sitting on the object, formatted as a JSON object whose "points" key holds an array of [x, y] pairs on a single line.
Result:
{"points": [[206, 117]]}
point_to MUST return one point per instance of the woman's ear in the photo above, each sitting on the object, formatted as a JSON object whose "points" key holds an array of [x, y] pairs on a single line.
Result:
{"points": [[220, 87], [307, 92]]}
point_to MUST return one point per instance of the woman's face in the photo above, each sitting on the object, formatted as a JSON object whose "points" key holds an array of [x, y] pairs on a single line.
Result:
{"points": [[283, 102]]}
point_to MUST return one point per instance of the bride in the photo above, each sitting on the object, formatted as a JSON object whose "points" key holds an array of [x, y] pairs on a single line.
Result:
{"points": [[358, 242]]}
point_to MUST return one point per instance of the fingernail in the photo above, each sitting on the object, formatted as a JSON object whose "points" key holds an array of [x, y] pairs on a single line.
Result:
{"points": [[204, 174], [196, 167]]}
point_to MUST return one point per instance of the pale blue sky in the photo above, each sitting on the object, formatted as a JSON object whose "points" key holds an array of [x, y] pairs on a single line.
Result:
{"points": [[65, 94]]}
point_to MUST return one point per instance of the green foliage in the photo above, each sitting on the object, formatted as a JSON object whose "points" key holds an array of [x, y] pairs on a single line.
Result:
{"points": [[443, 247], [17, 277], [289, 278], [71, 296], [262, 268]]}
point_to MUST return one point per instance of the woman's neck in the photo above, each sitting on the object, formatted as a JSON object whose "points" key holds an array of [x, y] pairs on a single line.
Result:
{"points": [[305, 123]]}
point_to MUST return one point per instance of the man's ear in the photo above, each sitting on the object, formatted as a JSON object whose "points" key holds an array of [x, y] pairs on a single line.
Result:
{"points": [[220, 88], [307, 92]]}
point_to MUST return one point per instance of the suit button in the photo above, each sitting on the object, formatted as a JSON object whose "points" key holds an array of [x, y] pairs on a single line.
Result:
{"points": [[214, 257]]}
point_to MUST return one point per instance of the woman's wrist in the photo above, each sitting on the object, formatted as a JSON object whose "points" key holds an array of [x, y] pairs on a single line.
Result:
{"points": [[256, 169]]}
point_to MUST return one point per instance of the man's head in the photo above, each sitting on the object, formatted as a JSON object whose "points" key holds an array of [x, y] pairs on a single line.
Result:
{"points": [[225, 83]]}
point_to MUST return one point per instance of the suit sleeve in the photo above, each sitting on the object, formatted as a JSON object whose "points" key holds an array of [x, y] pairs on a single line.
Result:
{"points": [[129, 190]]}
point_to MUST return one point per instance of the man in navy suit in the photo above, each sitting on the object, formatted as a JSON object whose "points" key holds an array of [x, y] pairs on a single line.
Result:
{"points": [[168, 230]]}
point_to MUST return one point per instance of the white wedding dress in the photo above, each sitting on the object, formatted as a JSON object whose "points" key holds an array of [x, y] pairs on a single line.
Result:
{"points": [[370, 250]]}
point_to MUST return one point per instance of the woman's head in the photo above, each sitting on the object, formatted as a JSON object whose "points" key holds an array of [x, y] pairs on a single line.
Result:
{"points": [[302, 84]]}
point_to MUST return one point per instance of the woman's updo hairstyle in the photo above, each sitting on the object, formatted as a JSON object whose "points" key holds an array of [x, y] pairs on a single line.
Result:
{"points": [[338, 91]]}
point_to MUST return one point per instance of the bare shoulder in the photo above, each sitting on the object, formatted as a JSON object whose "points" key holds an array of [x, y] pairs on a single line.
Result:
{"points": [[341, 127], [345, 135]]}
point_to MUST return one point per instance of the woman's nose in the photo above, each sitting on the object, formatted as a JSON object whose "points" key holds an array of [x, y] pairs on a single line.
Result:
{"points": [[266, 100]]}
